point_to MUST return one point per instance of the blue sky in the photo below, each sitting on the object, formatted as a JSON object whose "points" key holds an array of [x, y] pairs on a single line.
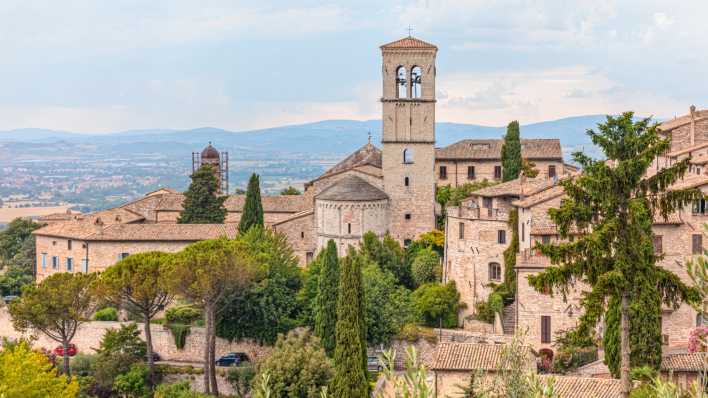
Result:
{"points": [[99, 66]]}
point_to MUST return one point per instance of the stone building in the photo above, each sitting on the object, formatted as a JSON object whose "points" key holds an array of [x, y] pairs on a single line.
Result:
{"points": [[477, 160]]}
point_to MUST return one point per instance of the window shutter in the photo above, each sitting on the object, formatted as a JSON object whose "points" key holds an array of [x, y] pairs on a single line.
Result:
{"points": [[545, 329], [697, 244], [658, 244]]}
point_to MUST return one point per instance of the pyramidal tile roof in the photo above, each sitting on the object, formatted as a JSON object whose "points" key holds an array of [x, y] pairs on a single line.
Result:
{"points": [[409, 42]]}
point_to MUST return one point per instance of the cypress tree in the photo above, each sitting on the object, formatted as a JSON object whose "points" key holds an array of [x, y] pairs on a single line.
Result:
{"points": [[511, 152], [350, 379], [327, 293], [202, 204], [253, 208], [612, 206]]}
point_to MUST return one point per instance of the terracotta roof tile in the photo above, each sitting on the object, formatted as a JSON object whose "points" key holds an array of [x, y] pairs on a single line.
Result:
{"points": [[490, 149], [89, 231], [513, 187], [352, 188], [234, 203], [470, 356], [682, 120], [686, 150], [408, 43], [686, 362], [368, 155], [540, 196], [585, 387]]}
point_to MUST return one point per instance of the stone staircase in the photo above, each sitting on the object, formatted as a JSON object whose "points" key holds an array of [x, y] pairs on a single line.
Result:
{"points": [[509, 319]]}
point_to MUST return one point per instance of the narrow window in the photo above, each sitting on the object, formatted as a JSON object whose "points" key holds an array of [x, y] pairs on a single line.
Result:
{"points": [[501, 237], [658, 244], [494, 272], [462, 230], [408, 216], [55, 262], [44, 260], [443, 172], [68, 244], [308, 257], [551, 171], [699, 207], [546, 239], [302, 234], [406, 181], [497, 172], [407, 155], [84, 265], [69, 264], [349, 228], [416, 80], [401, 82], [697, 244], [545, 329], [470, 173], [523, 232], [406, 243]]}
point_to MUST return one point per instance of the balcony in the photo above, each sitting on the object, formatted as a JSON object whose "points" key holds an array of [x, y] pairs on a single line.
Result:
{"points": [[531, 258]]}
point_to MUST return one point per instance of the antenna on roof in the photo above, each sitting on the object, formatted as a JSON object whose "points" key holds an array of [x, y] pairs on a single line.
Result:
{"points": [[410, 30], [369, 136]]}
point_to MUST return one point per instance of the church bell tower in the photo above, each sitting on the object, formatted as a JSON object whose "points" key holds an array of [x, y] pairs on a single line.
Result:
{"points": [[409, 136]]}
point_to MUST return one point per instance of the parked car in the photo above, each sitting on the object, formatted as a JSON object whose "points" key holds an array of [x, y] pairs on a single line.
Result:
{"points": [[9, 299], [373, 364], [59, 350], [232, 359]]}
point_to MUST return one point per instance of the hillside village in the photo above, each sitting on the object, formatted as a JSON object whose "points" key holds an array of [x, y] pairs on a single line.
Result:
{"points": [[485, 244]]}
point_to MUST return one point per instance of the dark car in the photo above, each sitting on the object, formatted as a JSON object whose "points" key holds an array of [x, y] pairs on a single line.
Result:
{"points": [[9, 299], [232, 359], [373, 364]]}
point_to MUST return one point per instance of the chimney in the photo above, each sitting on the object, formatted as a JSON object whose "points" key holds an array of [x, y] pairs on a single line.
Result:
{"points": [[98, 225]]}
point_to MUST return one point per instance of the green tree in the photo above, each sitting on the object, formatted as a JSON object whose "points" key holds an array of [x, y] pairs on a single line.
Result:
{"points": [[139, 283], [307, 296], [124, 340], [438, 304], [134, 382], [29, 374], [290, 191], [118, 351], [326, 304], [202, 204], [240, 378], [14, 237], [426, 267], [387, 305], [350, 379], [56, 307], [389, 255], [180, 389], [17, 255], [511, 152], [298, 366], [508, 289], [612, 205], [253, 208], [203, 273], [266, 308]]}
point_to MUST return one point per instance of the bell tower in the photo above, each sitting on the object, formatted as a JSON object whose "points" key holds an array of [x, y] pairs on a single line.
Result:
{"points": [[408, 154]]}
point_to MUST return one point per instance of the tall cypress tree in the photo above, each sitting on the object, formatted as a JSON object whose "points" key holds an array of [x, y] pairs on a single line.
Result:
{"points": [[253, 208], [511, 152], [349, 355], [612, 206], [202, 204], [326, 306]]}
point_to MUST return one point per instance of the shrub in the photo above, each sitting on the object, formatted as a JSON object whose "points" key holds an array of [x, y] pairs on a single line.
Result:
{"points": [[177, 390], [426, 267], [412, 333], [179, 333], [241, 378], [485, 310], [133, 384], [106, 314], [82, 364], [184, 314], [438, 304]]}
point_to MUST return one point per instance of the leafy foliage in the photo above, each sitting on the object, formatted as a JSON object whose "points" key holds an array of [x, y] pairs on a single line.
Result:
{"points": [[29, 374], [253, 208], [177, 390], [298, 366], [184, 314], [107, 314], [486, 310], [56, 307], [437, 304], [307, 296], [426, 267], [612, 205], [180, 332], [511, 152], [265, 308], [413, 383], [240, 378], [327, 297], [133, 383], [124, 340], [202, 204], [17, 255], [389, 255], [290, 191], [449, 196], [350, 354]]}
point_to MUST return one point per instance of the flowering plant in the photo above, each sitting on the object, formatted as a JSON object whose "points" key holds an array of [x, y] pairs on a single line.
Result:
{"points": [[697, 339]]}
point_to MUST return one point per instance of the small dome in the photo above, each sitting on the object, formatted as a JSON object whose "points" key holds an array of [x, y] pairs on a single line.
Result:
{"points": [[352, 188], [210, 152]]}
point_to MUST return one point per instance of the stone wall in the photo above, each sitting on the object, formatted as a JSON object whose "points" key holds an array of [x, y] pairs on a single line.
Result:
{"points": [[346, 222], [89, 335]]}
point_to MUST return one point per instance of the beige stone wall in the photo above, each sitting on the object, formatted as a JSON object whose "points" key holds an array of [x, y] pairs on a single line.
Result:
{"points": [[468, 258], [484, 170], [334, 219], [300, 233], [100, 254], [232, 217]]}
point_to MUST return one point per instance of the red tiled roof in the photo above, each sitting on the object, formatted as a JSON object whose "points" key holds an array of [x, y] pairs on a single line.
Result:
{"points": [[490, 149], [470, 356], [408, 42], [83, 230], [585, 387], [234, 203], [686, 362]]}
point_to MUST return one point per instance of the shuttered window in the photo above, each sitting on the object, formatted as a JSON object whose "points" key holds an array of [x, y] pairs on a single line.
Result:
{"points": [[462, 230], [443, 172], [498, 172], [658, 244], [545, 329], [501, 236], [697, 244], [470, 173]]}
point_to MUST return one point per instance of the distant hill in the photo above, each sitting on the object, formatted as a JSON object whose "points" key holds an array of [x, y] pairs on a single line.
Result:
{"points": [[331, 137]]}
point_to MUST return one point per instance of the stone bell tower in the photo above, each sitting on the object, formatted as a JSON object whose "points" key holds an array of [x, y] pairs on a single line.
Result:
{"points": [[409, 136]]}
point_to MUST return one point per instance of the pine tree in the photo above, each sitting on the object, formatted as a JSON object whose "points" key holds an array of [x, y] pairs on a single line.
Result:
{"points": [[326, 307], [350, 379], [612, 206], [202, 204], [511, 152], [253, 208]]}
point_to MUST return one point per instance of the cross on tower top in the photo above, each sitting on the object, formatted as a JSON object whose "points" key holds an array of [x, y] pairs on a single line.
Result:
{"points": [[410, 30]]}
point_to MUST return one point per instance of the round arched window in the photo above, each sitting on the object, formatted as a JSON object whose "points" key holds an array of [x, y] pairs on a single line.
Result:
{"points": [[416, 80], [401, 82]]}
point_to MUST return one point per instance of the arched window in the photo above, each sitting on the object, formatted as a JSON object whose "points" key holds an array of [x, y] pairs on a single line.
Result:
{"points": [[401, 82], [494, 272], [416, 88], [407, 155]]}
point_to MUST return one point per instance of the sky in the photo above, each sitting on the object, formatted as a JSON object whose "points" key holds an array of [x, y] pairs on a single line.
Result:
{"points": [[103, 66]]}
